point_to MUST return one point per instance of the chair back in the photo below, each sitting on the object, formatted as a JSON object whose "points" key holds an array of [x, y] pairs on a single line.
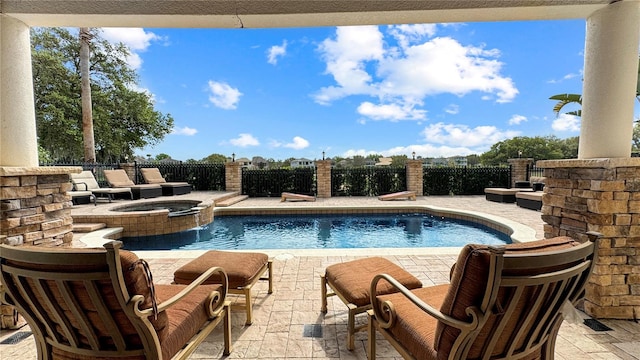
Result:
{"points": [[78, 304], [84, 181], [118, 178], [516, 295], [152, 176]]}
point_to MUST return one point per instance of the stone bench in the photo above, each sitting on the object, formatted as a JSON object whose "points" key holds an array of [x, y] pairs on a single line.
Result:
{"points": [[529, 200]]}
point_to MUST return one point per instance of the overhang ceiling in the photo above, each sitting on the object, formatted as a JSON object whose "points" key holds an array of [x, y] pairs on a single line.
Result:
{"points": [[286, 13]]}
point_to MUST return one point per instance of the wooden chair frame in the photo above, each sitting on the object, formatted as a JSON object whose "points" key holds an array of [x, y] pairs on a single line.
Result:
{"points": [[538, 331], [246, 290], [54, 329]]}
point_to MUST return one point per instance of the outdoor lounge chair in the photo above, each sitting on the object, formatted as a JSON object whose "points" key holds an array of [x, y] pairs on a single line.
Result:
{"points": [[502, 303], [153, 176], [101, 303], [119, 179], [85, 181]]}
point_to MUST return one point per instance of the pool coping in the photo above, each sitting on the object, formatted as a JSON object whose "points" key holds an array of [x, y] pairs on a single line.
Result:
{"points": [[517, 231]]}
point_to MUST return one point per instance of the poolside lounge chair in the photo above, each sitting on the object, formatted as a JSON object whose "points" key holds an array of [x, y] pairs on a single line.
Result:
{"points": [[102, 303], [291, 196], [408, 195], [85, 181], [153, 176], [502, 303], [119, 179]]}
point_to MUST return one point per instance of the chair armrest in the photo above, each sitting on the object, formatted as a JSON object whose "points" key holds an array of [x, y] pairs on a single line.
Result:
{"points": [[386, 315], [215, 295], [86, 187]]}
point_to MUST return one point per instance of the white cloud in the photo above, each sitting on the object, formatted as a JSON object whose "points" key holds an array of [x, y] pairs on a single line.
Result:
{"points": [[566, 122], [184, 131], [136, 39], [298, 143], [244, 140], [223, 95], [456, 134], [393, 112], [566, 77], [275, 52], [452, 109], [362, 63], [517, 119]]}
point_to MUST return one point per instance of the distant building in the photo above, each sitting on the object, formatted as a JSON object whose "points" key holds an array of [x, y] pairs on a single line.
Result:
{"points": [[302, 163], [442, 161], [384, 161], [246, 163], [369, 162]]}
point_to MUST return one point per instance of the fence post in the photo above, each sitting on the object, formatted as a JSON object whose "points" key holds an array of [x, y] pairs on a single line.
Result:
{"points": [[414, 176], [233, 176], [519, 169], [323, 173]]}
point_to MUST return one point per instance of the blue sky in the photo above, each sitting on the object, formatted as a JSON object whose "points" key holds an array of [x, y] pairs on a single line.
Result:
{"points": [[436, 89]]}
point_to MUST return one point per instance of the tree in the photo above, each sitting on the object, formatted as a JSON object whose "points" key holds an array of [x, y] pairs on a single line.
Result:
{"points": [[398, 160], [124, 119], [215, 158], [85, 95], [538, 148]]}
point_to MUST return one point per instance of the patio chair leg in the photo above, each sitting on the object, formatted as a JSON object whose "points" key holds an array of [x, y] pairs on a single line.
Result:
{"points": [[371, 337], [248, 305], [323, 288], [351, 328], [270, 270], [227, 330]]}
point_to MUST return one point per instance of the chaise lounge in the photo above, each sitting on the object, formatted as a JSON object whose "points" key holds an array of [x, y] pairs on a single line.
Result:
{"points": [[85, 181], [153, 176], [119, 179], [102, 304], [502, 303]]}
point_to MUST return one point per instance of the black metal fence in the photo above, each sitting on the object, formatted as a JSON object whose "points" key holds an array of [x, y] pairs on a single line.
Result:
{"points": [[96, 168], [464, 180], [273, 182], [202, 176], [367, 181], [532, 170]]}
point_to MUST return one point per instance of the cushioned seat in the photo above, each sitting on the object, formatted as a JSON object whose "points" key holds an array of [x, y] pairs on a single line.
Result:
{"points": [[351, 281], [153, 176], [85, 181], [502, 303], [529, 200], [243, 270], [119, 179]]}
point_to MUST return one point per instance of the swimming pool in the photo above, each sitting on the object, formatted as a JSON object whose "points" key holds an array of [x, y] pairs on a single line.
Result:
{"points": [[324, 232]]}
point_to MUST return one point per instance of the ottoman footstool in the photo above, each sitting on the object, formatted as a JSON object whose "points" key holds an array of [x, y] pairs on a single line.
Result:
{"points": [[351, 282], [243, 270]]}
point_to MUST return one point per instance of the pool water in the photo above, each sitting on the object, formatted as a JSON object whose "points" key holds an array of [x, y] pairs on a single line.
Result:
{"points": [[324, 232]]}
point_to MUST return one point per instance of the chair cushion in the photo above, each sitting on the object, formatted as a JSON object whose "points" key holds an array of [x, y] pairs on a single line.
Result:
{"points": [[152, 176], [84, 181], [241, 267], [186, 317], [352, 279], [468, 285], [118, 178], [415, 329]]}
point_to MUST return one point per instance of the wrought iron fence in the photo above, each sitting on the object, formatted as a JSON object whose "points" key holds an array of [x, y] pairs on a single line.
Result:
{"points": [[273, 182], [367, 181], [533, 170], [202, 176], [464, 180], [96, 168]]}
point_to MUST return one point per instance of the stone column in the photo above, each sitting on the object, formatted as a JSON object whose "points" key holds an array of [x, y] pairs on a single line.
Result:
{"points": [[600, 195], [323, 180], [519, 169], [415, 176], [130, 169], [233, 176], [609, 86], [18, 139]]}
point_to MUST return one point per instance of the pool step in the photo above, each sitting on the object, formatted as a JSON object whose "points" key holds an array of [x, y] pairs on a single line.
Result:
{"points": [[231, 201], [88, 227]]}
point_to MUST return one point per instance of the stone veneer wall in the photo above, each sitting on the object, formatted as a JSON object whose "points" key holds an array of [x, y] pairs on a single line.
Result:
{"points": [[519, 169], [323, 172], [233, 176], [415, 178], [600, 195], [34, 206]]}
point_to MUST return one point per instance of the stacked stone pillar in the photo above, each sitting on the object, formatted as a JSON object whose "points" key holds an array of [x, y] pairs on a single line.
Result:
{"points": [[233, 176], [600, 195], [323, 180], [415, 176], [519, 169]]}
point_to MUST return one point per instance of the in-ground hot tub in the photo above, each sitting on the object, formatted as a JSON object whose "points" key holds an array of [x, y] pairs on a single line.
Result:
{"points": [[153, 217]]}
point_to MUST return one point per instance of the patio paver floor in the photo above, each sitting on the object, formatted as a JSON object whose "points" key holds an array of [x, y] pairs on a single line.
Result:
{"points": [[280, 318]]}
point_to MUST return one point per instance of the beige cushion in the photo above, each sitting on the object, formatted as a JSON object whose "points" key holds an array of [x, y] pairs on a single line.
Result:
{"points": [[241, 267], [152, 176], [84, 181], [118, 178]]}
